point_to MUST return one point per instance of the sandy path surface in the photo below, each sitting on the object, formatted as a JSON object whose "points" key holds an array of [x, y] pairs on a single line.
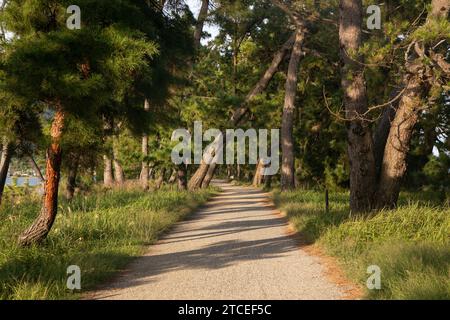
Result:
{"points": [[235, 247]]}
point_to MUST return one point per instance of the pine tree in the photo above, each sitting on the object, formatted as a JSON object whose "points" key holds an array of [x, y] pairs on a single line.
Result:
{"points": [[71, 72]]}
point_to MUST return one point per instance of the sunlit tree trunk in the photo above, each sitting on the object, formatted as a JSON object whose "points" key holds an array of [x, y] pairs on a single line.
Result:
{"points": [[287, 124], [145, 166], [394, 165], [397, 147], [196, 180], [119, 175], [108, 178], [258, 177], [42, 225], [209, 175], [360, 144]]}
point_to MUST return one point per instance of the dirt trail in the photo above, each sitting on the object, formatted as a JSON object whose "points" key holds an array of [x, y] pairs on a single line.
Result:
{"points": [[236, 247]]}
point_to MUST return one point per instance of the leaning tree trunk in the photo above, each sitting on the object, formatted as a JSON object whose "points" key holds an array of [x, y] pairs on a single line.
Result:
{"points": [[197, 179], [238, 115], [42, 225], [209, 175], [200, 23], [398, 143], [145, 166], [259, 177], [4, 165], [264, 81], [72, 177], [360, 144], [108, 178], [394, 165], [287, 124]]}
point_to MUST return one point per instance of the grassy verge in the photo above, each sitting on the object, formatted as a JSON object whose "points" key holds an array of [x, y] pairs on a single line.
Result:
{"points": [[411, 244], [100, 233]]}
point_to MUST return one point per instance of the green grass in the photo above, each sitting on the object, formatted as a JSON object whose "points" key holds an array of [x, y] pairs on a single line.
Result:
{"points": [[100, 233], [411, 244]]}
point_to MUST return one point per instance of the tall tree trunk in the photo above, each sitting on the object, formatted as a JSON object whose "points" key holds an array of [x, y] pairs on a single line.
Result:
{"points": [[4, 165], [145, 166], [119, 175], [200, 23], [108, 179], [72, 176], [42, 225], [182, 177], [360, 144], [239, 114], [287, 124], [398, 143]]}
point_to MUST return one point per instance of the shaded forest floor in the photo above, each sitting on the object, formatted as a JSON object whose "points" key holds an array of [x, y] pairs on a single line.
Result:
{"points": [[101, 233], [411, 244]]}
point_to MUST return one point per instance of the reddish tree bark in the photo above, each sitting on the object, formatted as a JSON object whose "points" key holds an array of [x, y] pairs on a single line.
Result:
{"points": [[4, 165], [44, 222]]}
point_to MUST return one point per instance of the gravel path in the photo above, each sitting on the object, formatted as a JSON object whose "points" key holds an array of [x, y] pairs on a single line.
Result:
{"points": [[236, 247]]}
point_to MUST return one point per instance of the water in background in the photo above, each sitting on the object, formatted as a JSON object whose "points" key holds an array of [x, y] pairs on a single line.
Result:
{"points": [[22, 181]]}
